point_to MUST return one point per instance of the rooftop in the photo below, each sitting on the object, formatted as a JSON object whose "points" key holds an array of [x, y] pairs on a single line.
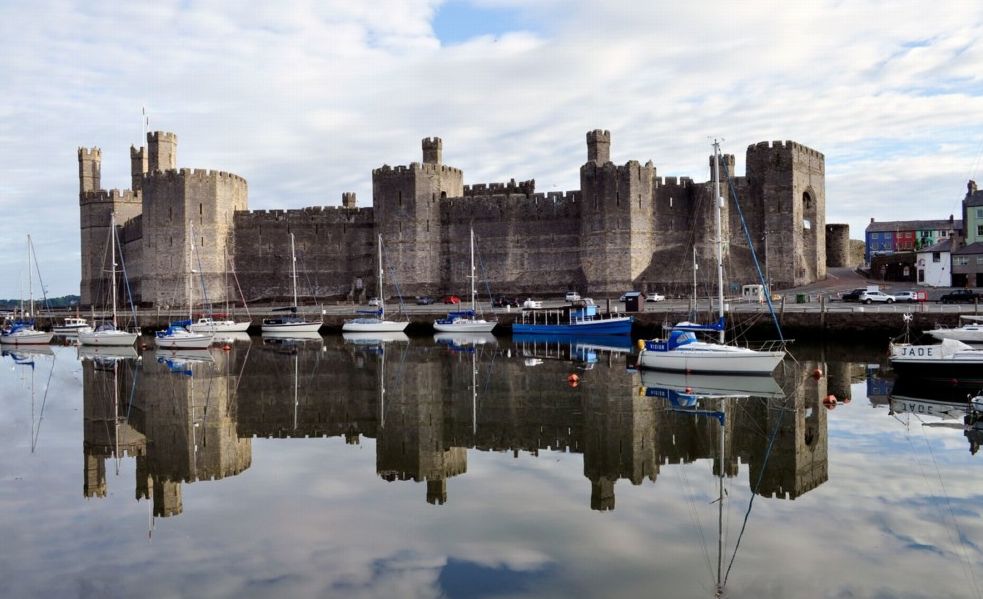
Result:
{"points": [[943, 246], [914, 225], [973, 248]]}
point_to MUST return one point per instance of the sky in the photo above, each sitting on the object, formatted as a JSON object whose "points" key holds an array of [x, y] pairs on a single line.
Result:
{"points": [[304, 99]]}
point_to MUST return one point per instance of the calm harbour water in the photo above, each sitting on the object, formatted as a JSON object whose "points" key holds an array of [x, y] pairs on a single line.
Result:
{"points": [[422, 469]]}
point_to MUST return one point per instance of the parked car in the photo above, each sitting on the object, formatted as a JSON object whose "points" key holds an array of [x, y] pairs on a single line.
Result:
{"points": [[531, 303], [655, 297], [869, 297], [424, 300], [853, 295], [571, 296], [451, 299], [374, 301], [960, 296], [503, 302], [906, 296]]}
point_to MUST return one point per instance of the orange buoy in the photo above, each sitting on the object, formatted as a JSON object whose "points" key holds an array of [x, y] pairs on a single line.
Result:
{"points": [[226, 347], [573, 378], [829, 402], [573, 384], [688, 390], [831, 398], [817, 374]]}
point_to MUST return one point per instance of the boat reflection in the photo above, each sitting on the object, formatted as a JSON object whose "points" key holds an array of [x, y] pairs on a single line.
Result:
{"points": [[464, 340], [583, 350], [710, 385], [375, 338], [946, 405]]}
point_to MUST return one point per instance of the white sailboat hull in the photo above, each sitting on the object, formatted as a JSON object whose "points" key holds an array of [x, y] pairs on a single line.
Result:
{"points": [[292, 327], [465, 325], [711, 358], [27, 338], [185, 341], [113, 338], [220, 326], [380, 326], [71, 331]]}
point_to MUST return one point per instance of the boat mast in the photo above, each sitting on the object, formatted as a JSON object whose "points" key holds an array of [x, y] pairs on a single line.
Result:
{"points": [[112, 259], [720, 505], [293, 267], [717, 205], [382, 301], [695, 268], [187, 282], [30, 279], [474, 303]]}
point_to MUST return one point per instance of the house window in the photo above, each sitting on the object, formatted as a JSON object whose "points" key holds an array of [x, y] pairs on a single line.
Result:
{"points": [[979, 213], [936, 256], [979, 260], [979, 229], [874, 236]]}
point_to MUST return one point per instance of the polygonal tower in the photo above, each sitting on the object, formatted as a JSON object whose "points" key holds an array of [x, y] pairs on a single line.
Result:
{"points": [[96, 208], [616, 218], [182, 208], [406, 203], [788, 181]]}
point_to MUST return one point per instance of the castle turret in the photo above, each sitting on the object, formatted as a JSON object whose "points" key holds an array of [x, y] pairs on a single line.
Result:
{"points": [[433, 149], [598, 146], [90, 169], [138, 166], [162, 149], [348, 200]]}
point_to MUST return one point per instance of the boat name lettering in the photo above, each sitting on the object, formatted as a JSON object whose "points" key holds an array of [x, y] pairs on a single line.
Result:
{"points": [[918, 351]]}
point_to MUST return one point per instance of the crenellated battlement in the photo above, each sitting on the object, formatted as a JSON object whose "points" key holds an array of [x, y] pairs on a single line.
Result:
{"points": [[786, 146], [131, 230], [161, 136], [90, 153], [674, 181], [514, 206], [512, 187], [198, 174], [602, 135], [310, 214], [109, 196], [386, 171]]}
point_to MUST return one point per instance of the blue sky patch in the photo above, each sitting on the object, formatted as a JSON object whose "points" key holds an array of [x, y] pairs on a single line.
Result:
{"points": [[459, 21]]}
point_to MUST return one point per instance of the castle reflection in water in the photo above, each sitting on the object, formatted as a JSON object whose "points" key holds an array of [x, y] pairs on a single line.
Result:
{"points": [[185, 420]]}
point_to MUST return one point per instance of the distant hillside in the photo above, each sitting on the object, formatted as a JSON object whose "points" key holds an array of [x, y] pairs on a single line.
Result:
{"points": [[65, 301]]}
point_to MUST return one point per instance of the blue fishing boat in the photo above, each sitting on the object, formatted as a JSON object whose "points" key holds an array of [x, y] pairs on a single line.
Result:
{"points": [[579, 318]]}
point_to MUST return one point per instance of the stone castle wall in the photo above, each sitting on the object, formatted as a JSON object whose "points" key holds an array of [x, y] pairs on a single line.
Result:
{"points": [[837, 246], [626, 228]]}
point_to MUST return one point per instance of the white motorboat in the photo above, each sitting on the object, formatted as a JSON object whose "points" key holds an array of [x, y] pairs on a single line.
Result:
{"points": [[376, 323], [970, 332], [72, 326], [291, 323], [949, 360], [466, 321], [681, 351]]}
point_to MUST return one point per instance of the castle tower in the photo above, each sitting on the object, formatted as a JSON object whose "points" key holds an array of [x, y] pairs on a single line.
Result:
{"points": [[348, 200], [599, 146], [138, 166], [406, 204], [616, 218], [162, 150], [96, 207], [787, 188], [90, 169], [433, 150]]}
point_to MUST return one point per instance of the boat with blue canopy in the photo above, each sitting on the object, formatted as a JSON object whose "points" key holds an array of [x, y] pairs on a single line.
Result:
{"points": [[581, 317]]}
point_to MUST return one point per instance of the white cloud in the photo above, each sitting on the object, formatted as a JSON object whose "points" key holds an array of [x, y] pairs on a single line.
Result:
{"points": [[304, 101]]}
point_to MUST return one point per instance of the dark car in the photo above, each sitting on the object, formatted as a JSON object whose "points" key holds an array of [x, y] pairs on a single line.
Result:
{"points": [[451, 299], [505, 302], [424, 300], [853, 296], [960, 296]]}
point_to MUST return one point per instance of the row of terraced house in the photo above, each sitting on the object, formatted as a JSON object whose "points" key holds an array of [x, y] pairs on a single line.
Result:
{"points": [[933, 253]]}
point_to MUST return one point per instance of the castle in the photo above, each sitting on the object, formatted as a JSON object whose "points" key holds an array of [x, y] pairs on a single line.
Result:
{"points": [[625, 228]]}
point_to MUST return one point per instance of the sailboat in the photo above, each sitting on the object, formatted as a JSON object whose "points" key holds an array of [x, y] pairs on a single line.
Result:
{"points": [[466, 321], [22, 331], [213, 324], [291, 323], [177, 335], [377, 323], [106, 333], [681, 351]]}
